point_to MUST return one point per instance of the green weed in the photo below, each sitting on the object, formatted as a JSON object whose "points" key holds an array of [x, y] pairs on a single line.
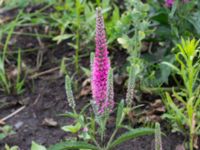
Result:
{"points": [[184, 105]]}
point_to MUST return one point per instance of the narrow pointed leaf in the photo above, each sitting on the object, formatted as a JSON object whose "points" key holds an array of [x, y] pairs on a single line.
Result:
{"points": [[36, 146], [130, 135], [120, 113], [72, 145]]}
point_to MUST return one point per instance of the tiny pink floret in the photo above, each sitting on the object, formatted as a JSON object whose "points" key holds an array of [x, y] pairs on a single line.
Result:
{"points": [[169, 3]]}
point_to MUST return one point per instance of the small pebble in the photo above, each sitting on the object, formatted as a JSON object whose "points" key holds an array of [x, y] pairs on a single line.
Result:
{"points": [[18, 124]]}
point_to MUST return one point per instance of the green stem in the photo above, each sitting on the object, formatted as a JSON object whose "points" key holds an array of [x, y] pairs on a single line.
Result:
{"points": [[78, 5], [28, 50], [96, 143], [114, 133], [5, 49], [102, 131], [157, 90], [31, 34], [77, 52], [98, 2], [111, 138], [191, 141]]}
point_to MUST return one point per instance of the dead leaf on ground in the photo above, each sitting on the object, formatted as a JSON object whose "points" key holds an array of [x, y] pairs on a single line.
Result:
{"points": [[2, 122], [86, 82], [153, 112], [50, 122], [86, 88], [120, 79], [4, 20]]}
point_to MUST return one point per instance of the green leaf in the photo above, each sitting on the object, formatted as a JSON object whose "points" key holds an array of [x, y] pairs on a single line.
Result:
{"points": [[161, 17], [85, 136], [70, 115], [175, 113], [120, 113], [36, 146], [172, 66], [165, 71], [62, 37], [141, 35], [130, 135], [86, 71], [2, 136], [163, 32], [72, 145], [71, 128], [11, 148], [124, 42], [194, 19]]}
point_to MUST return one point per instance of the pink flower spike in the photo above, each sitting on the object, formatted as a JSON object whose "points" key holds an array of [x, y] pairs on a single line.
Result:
{"points": [[101, 65]]}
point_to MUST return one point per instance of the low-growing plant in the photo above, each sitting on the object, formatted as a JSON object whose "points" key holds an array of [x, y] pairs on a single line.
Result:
{"points": [[10, 4], [171, 20], [133, 28], [78, 17], [136, 27], [92, 126], [19, 85], [36, 146], [183, 106], [70, 11], [12, 147], [175, 18], [5, 131], [11, 82], [5, 83]]}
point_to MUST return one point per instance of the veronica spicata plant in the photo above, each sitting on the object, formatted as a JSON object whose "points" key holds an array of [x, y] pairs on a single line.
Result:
{"points": [[183, 107], [91, 126]]}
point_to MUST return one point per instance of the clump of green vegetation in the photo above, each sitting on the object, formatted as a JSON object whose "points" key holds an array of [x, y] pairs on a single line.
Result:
{"points": [[5, 83], [184, 105], [5, 131]]}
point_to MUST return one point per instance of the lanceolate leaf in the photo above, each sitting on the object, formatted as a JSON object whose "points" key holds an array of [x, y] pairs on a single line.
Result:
{"points": [[72, 145], [36, 146], [120, 113], [172, 66], [72, 128], [130, 135]]}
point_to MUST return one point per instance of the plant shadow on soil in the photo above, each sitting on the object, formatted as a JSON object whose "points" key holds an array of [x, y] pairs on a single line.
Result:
{"points": [[45, 98]]}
